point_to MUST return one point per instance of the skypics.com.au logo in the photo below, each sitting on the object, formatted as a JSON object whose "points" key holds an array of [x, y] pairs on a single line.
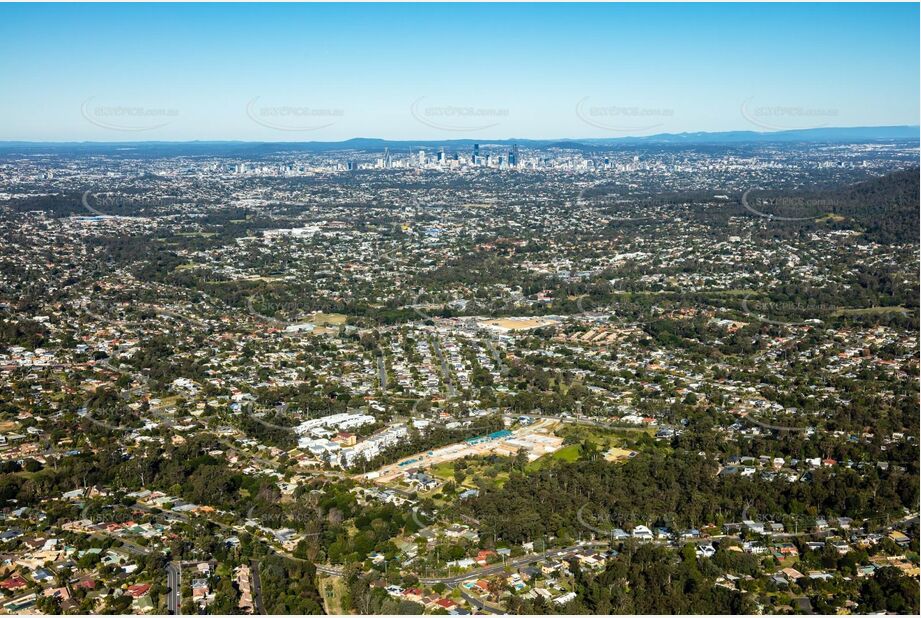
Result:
{"points": [[457, 118], [129, 118], [293, 118], [622, 118]]}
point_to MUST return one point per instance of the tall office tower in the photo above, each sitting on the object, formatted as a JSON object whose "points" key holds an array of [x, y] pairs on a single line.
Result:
{"points": [[441, 156], [421, 157], [352, 166], [388, 159], [513, 156], [476, 154]]}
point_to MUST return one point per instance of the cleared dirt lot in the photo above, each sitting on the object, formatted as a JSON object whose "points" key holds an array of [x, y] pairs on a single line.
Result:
{"points": [[518, 323]]}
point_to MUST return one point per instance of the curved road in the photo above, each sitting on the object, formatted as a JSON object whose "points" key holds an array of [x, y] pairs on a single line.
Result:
{"points": [[487, 570], [479, 604]]}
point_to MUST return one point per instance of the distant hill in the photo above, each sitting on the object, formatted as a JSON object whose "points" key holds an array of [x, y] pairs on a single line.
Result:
{"points": [[367, 144], [839, 134], [884, 209]]}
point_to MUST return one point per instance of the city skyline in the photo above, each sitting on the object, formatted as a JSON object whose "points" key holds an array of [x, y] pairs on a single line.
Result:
{"points": [[442, 72]]}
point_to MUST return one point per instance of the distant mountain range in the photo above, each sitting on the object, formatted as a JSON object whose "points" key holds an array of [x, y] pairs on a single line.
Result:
{"points": [[819, 135]]}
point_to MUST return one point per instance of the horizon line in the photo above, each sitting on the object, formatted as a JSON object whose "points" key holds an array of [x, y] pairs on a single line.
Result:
{"points": [[475, 139]]}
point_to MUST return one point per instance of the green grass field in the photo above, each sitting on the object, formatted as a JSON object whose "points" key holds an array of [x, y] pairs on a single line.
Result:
{"points": [[566, 454], [444, 470]]}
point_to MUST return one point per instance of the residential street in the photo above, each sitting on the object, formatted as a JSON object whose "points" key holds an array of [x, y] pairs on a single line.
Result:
{"points": [[173, 583]]}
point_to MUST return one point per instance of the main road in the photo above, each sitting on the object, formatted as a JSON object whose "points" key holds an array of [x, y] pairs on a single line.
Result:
{"points": [[257, 587], [445, 370], [382, 372], [173, 582], [489, 570], [517, 562]]}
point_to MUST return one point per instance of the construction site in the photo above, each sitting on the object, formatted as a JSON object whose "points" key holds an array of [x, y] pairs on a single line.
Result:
{"points": [[536, 440]]}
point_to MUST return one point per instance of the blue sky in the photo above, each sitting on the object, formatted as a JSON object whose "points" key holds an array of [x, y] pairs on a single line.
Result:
{"points": [[286, 72]]}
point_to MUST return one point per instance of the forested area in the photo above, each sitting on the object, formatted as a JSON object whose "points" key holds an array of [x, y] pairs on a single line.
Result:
{"points": [[680, 490], [25, 333], [645, 579], [289, 586]]}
